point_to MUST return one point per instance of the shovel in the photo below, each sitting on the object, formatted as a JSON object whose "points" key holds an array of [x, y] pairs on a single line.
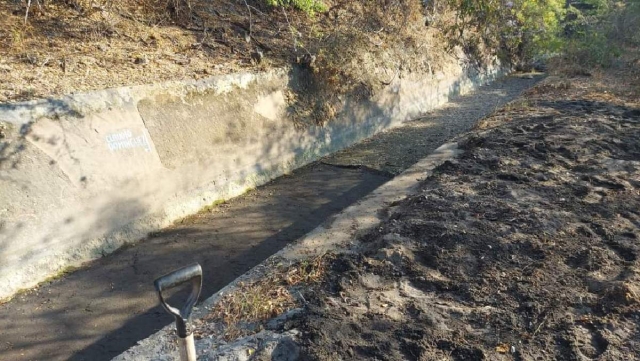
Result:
{"points": [[192, 274]]}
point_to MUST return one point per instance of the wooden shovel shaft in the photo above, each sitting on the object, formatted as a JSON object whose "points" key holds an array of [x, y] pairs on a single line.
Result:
{"points": [[187, 348]]}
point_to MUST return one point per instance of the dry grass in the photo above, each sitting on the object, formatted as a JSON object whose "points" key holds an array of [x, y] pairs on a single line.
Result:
{"points": [[265, 298], [361, 46], [64, 50], [149, 12], [79, 46], [354, 49], [618, 84]]}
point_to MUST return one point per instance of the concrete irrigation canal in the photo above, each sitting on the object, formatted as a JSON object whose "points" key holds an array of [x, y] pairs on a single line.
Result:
{"points": [[101, 309]]}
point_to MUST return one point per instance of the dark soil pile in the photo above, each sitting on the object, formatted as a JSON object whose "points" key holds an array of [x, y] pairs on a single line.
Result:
{"points": [[524, 248]]}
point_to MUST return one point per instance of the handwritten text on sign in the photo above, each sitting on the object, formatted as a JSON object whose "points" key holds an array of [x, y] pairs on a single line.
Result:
{"points": [[125, 140]]}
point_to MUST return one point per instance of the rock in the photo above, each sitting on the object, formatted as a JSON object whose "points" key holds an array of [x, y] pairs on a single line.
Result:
{"points": [[265, 345], [278, 322], [257, 56], [141, 60]]}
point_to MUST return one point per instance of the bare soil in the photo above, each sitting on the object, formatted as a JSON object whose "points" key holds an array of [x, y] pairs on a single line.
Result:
{"points": [[524, 248]]}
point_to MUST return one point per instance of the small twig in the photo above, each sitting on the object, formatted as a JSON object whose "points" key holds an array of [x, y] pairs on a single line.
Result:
{"points": [[540, 325], [221, 42], [295, 46], [392, 79], [295, 43], [203, 41], [303, 299], [26, 13], [250, 21], [256, 9], [45, 62], [260, 44]]}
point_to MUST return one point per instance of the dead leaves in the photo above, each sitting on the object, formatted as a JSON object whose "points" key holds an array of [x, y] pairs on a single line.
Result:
{"points": [[267, 297]]}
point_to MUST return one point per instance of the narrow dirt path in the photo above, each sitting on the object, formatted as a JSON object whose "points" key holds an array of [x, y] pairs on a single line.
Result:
{"points": [[106, 307], [395, 150]]}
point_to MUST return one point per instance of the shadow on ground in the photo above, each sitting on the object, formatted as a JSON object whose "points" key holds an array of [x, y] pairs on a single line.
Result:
{"points": [[67, 319]]}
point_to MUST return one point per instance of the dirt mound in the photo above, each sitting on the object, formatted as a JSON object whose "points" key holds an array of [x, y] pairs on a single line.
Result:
{"points": [[525, 248]]}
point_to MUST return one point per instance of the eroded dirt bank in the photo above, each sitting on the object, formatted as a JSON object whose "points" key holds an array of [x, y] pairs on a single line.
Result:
{"points": [[525, 248]]}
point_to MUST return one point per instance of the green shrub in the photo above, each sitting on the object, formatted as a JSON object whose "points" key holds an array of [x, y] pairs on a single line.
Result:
{"points": [[308, 6], [625, 22], [590, 48], [517, 30], [601, 35], [541, 23]]}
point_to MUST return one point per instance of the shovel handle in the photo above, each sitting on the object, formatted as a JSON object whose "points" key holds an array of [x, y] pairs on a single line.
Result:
{"points": [[192, 274], [178, 277]]}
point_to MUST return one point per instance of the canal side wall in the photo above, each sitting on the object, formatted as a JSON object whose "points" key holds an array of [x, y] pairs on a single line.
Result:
{"points": [[85, 174]]}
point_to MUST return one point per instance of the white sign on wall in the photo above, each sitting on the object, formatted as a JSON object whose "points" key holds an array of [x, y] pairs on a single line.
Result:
{"points": [[126, 140]]}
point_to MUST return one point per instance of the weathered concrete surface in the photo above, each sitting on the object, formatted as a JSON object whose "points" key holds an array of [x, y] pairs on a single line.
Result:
{"points": [[105, 307], [82, 175], [335, 235]]}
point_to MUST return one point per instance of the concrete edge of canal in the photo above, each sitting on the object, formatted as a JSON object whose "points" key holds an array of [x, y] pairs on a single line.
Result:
{"points": [[87, 173]]}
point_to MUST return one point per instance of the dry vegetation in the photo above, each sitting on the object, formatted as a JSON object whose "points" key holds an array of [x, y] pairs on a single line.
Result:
{"points": [[68, 46], [240, 311], [82, 46]]}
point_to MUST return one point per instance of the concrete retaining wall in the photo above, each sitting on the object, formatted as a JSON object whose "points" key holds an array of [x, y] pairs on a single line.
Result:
{"points": [[82, 175]]}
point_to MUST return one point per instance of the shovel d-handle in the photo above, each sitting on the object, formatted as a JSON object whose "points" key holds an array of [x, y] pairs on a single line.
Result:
{"points": [[192, 274]]}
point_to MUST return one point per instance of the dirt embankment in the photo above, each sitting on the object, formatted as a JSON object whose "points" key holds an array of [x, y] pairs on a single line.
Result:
{"points": [[525, 248], [354, 47]]}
